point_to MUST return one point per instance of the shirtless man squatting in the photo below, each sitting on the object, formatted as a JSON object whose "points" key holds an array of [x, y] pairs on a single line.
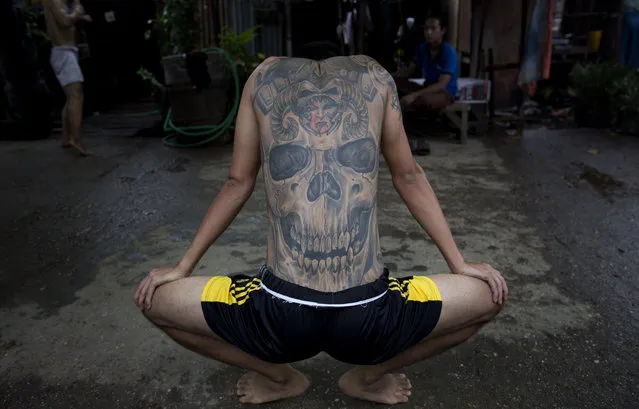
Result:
{"points": [[317, 128], [60, 22]]}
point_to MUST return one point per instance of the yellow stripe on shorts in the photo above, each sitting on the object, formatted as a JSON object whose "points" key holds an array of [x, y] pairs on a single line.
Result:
{"points": [[222, 289], [423, 289]]}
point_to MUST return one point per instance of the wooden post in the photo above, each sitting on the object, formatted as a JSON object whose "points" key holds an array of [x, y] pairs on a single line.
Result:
{"points": [[464, 39], [205, 20], [522, 50], [490, 66], [478, 23], [453, 22], [463, 130]]}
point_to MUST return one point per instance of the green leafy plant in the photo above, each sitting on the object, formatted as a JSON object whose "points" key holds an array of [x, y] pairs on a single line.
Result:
{"points": [[175, 30], [626, 90], [235, 46], [175, 27], [155, 87], [34, 19], [605, 94]]}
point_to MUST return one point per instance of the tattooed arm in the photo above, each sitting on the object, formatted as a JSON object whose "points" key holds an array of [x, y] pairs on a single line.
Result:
{"points": [[236, 191], [412, 185]]}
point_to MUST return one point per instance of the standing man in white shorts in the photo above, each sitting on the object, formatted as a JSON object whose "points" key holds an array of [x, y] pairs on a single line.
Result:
{"points": [[60, 21]]}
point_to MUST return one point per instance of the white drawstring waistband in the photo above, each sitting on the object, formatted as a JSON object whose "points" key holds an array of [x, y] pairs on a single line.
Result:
{"points": [[317, 304]]}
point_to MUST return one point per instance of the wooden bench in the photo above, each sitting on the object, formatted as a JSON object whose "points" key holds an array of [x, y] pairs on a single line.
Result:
{"points": [[457, 112], [473, 96]]}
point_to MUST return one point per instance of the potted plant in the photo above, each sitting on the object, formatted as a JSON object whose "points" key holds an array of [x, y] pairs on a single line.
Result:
{"points": [[199, 84]]}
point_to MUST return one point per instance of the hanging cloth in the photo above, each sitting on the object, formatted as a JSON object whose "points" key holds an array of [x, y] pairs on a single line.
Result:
{"points": [[538, 48]]}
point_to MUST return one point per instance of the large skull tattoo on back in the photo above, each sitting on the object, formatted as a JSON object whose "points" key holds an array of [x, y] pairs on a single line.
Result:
{"points": [[321, 158]]}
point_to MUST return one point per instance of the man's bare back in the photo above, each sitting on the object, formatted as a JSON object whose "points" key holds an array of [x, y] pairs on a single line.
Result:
{"points": [[320, 124], [316, 129]]}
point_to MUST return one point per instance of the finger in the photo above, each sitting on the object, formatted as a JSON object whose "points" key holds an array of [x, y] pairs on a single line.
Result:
{"points": [[143, 292], [493, 287], [138, 291], [497, 285], [506, 288], [149, 294], [497, 291], [500, 293], [503, 286]]}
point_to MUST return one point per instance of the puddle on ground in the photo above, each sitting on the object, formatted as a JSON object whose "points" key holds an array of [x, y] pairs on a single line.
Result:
{"points": [[605, 184], [177, 165]]}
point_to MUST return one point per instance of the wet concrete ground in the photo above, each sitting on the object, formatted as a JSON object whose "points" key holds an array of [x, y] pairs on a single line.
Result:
{"points": [[79, 234]]}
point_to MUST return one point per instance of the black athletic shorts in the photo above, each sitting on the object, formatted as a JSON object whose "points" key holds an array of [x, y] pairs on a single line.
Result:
{"points": [[281, 322]]}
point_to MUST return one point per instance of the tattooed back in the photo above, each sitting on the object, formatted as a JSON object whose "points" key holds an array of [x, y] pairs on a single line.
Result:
{"points": [[320, 127]]}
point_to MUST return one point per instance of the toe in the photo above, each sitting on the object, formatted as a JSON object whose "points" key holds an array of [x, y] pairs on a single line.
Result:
{"points": [[403, 381], [243, 386], [405, 388], [402, 396]]}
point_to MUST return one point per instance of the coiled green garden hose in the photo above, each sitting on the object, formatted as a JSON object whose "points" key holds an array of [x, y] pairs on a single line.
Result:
{"points": [[203, 134]]}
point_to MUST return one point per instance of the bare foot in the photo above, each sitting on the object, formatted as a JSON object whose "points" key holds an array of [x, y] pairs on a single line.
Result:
{"points": [[255, 388], [80, 149], [390, 389]]}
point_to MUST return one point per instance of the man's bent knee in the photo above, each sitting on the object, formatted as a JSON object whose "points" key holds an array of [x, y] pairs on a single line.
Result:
{"points": [[158, 305], [466, 301], [492, 312], [154, 318], [154, 314], [490, 309], [177, 305]]}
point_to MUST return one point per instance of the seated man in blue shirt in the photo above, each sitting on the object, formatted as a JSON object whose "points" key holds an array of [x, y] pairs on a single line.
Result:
{"points": [[439, 65]]}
